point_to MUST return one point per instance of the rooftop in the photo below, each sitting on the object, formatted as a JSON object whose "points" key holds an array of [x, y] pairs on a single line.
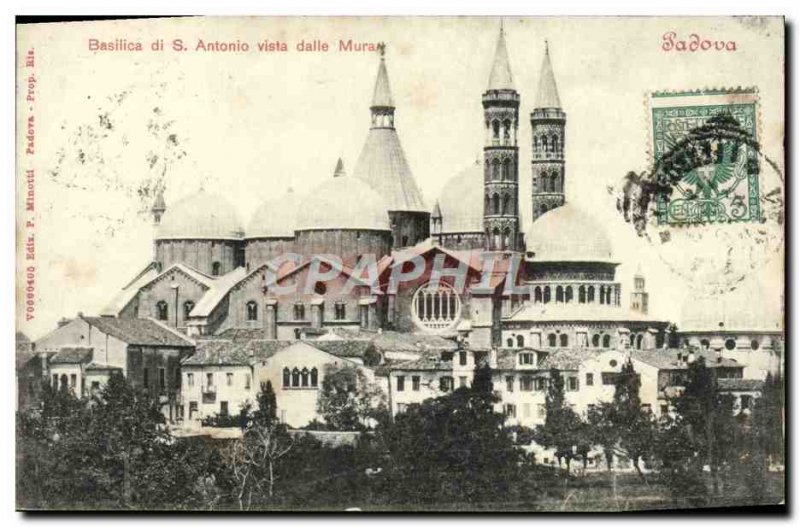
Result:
{"points": [[72, 355], [140, 331]]}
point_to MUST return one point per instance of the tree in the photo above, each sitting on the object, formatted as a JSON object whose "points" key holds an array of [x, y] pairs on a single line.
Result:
{"points": [[348, 401], [254, 457], [622, 427], [562, 427], [453, 447], [708, 417]]}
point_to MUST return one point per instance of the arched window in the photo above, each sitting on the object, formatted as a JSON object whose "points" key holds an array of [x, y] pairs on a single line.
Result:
{"points": [[436, 308], [215, 268], [590, 294], [495, 204], [564, 340], [545, 146], [506, 238], [554, 182], [602, 294], [509, 342], [639, 342], [520, 341], [606, 341], [287, 378], [559, 294], [496, 129], [536, 143], [496, 238], [705, 344], [506, 169], [537, 294], [162, 310], [554, 142], [295, 377], [314, 377], [582, 294], [551, 340], [596, 341], [187, 308], [487, 205], [506, 130], [568, 294], [495, 169], [506, 201], [547, 294], [252, 310], [633, 339], [304, 377]]}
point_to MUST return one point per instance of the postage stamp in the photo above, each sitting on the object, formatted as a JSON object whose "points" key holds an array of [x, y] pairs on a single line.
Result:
{"points": [[706, 143]]}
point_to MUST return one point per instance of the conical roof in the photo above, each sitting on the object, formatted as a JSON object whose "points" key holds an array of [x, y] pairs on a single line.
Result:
{"points": [[382, 95], [382, 163], [500, 77], [547, 96]]}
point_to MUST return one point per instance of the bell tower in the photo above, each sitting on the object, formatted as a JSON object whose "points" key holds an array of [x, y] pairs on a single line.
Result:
{"points": [[501, 154], [548, 123]]}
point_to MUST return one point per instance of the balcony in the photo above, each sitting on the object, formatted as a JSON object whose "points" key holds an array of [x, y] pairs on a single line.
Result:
{"points": [[209, 394]]}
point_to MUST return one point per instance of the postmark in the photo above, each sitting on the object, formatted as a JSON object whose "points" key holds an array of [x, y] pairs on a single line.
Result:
{"points": [[705, 149]]}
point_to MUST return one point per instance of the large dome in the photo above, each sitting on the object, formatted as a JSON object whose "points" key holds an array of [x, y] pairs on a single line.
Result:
{"points": [[461, 201], [343, 202], [200, 216], [566, 234], [275, 218]]}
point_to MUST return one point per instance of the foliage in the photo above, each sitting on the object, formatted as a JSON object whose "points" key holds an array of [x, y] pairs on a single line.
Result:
{"points": [[562, 429], [452, 447], [348, 401], [254, 457], [108, 451]]}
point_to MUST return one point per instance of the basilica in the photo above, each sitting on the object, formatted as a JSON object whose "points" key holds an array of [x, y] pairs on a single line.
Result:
{"points": [[220, 307], [209, 272]]}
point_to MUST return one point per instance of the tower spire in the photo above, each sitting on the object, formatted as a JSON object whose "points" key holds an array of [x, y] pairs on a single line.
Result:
{"points": [[382, 94], [339, 170], [500, 77], [547, 96]]}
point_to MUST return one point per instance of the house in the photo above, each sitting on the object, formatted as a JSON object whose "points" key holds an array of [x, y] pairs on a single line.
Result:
{"points": [[225, 375], [85, 351]]}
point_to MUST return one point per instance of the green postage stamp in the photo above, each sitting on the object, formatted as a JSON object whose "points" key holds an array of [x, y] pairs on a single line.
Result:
{"points": [[705, 148]]}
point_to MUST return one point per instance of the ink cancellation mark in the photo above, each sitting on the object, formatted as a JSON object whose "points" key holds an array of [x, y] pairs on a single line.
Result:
{"points": [[706, 156]]}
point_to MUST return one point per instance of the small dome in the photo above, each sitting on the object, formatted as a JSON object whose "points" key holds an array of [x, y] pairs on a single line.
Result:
{"points": [[343, 202], [566, 234], [461, 201], [275, 218], [200, 216]]}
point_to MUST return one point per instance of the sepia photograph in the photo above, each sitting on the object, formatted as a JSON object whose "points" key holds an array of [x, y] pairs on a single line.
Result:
{"points": [[401, 264]]}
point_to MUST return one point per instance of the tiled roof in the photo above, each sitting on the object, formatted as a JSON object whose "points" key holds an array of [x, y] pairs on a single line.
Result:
{"points": [[553, 311], [430, 362], [72, 356], [667, 359], [101, 367], [744, 385], [139, 331], [245, 351], [218, 289], [568, 358], [127, 293]]}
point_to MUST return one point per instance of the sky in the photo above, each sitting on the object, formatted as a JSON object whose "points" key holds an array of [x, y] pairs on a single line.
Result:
{"points": [[111, 124]]}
